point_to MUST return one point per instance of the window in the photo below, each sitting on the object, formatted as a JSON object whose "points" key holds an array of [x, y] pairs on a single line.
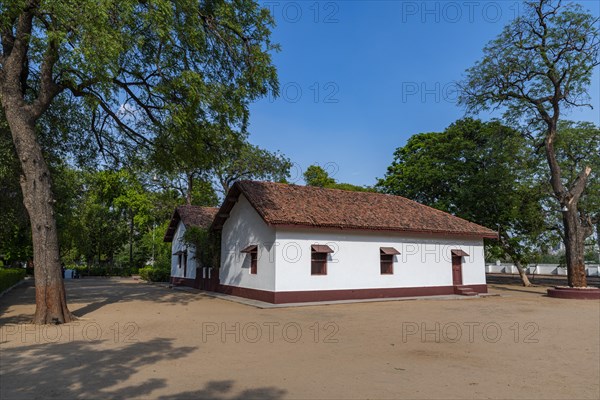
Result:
{"points": [[252, 250], [386, 260], [318, 259], [318, 264], [181, 261], [185, 264], [253, 262], [387, 264]]}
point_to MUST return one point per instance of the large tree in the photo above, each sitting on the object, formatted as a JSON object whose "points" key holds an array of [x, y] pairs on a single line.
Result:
{"points": [[578, 146], [126, 63], [480, 171], [247, 161], [539, 67], [185, 153], [192, 153], [315, 175]]}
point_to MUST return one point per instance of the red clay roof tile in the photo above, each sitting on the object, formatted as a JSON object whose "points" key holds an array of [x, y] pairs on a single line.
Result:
{"points": [[283, 204], [190, 216]]}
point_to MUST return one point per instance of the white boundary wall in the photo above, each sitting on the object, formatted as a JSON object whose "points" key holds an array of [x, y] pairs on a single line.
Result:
{"points": [[540, 269]]}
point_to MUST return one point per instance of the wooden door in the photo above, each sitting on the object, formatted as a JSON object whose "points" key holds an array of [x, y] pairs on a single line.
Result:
{"points": [[456, 270]]}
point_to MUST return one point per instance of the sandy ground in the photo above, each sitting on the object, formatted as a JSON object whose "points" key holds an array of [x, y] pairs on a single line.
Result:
{"points": [[142, 341]]}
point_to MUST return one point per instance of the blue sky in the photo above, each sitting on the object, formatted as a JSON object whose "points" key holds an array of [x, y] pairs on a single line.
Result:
{"points": [[358, 78]]}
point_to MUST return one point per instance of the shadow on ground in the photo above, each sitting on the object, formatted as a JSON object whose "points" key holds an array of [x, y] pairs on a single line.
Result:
{"points": [[96, 293], [89, 370], [223, 390]]}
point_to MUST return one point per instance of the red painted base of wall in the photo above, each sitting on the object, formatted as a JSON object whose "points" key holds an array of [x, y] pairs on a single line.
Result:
{"points": [[176, 281], [569, 293], [350, 294]]}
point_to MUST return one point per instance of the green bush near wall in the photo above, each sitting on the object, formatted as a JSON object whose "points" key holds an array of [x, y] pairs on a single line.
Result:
{"points": [[9, 277], [154, 274], [104, 270]]}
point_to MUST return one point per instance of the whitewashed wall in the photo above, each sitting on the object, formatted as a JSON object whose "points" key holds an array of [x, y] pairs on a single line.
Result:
{"points": [[179, 245], [243, 228], [355, 264]]}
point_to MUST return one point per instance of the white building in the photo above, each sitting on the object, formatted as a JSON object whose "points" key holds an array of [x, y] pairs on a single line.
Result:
{"points": [[185, 268], [287, 243]]}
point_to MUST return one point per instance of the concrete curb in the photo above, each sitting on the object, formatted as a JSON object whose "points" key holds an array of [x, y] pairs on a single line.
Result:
{"points": [[264, 305]]}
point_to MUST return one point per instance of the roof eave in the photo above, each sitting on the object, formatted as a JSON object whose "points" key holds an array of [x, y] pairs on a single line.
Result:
{"points": [[483, 235], [170, 233]]}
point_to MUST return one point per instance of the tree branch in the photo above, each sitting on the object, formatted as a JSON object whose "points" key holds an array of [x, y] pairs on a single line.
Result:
{"points": [[48, 88]]}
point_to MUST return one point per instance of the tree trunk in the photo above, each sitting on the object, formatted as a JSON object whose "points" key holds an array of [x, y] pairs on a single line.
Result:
{"points": [[131, 241], [514, 256], [522, 274], [574, 230], [574, 240], [51, 303]]}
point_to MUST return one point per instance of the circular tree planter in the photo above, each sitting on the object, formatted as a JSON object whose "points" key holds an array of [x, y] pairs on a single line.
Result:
{"points": [[565, 292]]}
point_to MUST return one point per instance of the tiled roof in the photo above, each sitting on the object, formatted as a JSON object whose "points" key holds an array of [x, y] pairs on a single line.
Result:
{"points": [[308, 206], [190, 216]]}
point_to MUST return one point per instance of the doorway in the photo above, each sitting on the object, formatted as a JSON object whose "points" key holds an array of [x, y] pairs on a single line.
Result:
{"points": [[456, 270]]}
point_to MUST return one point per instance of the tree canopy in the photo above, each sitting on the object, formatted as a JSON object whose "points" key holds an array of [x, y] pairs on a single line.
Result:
{"points": [[480, 171], [538, 68], [316, 175], [133, 70]]}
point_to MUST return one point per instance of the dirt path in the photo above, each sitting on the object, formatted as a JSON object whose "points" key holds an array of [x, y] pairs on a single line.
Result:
{"points": [[149, 342]]}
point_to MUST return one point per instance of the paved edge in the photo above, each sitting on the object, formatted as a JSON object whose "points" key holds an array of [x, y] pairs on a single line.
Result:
{"points": [[265, 305]]}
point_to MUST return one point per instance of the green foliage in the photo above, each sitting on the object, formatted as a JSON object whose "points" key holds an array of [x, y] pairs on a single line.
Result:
{"points": [[154, 274], [539, 67], [97, 212], [206, 244], [64, 142], [9, 277], [204, 194], [480, 171], [578, 146], [316, 176], [14, 222], [204, 152], [194, 60], [117, 76], [182, 186], [242, 160], [100, 270]]}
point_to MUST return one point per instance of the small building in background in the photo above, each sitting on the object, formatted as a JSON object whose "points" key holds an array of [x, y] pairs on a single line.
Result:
{"points": [[185, 267]]}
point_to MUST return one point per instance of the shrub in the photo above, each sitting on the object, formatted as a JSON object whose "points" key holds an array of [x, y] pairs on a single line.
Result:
{"points": [[145, 273], [154, 274], [103, 270], [9, 277]]}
